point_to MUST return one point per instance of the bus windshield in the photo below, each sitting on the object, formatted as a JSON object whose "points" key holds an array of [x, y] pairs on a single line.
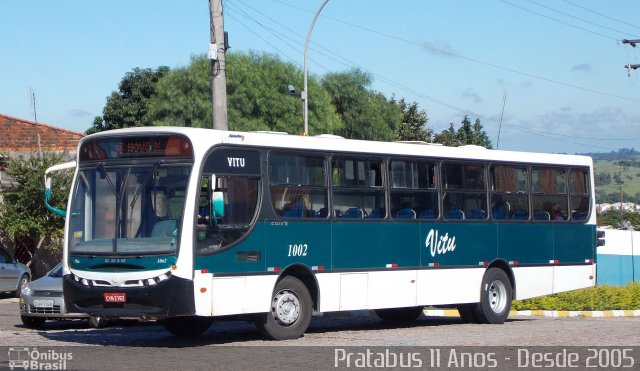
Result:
{"points": [[128, 209]]}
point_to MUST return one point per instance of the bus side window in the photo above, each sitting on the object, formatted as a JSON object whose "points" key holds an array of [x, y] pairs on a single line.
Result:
{"points": [[509, 196], [413, 190], [358, 190], [549, 199]]}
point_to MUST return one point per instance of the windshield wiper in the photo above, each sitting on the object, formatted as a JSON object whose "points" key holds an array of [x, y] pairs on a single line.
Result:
{"points": [[106, 175], [144, 182]]}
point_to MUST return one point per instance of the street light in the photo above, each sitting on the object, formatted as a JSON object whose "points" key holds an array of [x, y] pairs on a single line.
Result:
{"points": [[303, 93]]}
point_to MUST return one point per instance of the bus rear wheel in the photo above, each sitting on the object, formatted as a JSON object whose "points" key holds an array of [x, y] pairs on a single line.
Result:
{"points": [[495, 297], [399, 314], [187, 326], [290, 312]]}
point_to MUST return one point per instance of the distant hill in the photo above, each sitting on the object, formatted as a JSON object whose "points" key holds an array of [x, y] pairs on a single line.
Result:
{"points": [[614, 170]]}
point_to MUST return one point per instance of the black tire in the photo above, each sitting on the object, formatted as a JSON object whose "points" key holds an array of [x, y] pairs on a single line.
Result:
{"points": [[188, 326], [495, 297], [468, 312], [33, 322], [24, 279], [290, 314], [399, 314], [96, 322]]}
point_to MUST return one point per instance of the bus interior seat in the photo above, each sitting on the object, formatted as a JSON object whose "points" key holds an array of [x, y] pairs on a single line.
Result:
{"points": [[428, 214], [454, 214], [377, 213], [520, 214], [478, 214], [579, 215], [541, 215], [500, 210], [406, 213], [354, 213], [294, 211], [164, 228], [322, 213]]}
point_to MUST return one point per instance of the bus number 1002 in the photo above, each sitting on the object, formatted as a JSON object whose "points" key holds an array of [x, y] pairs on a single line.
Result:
{"points": [[298, 250]]}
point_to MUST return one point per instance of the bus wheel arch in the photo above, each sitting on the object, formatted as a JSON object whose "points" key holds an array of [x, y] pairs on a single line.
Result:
{"points": [[307, 277], [502, 264]]}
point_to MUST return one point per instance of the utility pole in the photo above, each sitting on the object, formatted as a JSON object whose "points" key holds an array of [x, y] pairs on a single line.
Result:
{"points": [[216, 54]]}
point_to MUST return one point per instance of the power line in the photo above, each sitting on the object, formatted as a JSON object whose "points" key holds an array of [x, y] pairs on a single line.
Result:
{"points": [[600, 14], [577, 18], [508, 69], [339, 59]]}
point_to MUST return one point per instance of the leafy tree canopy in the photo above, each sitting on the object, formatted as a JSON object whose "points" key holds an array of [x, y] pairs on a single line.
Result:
{"points": [[128, 106], [257, 97], [467, 134], [414, 123], [23, 215], [366, 114]]}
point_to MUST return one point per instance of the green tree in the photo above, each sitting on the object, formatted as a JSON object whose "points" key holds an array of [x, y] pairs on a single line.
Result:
{"points": [[366, 114], [24, 218], [128, 106], [414, 123], [257, 97], [467, 134]]}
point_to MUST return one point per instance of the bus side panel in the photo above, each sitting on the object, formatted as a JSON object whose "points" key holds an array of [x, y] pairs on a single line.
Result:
{"points": [[457, 244], [526, 243], [574, 243], [246, 257], [449, 286], [374, 244], [573, 277], [533, 281], [392, 289], [303, 242], [241, 294]]}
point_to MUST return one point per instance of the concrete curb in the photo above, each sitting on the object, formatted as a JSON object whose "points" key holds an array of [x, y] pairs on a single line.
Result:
{"points": [[544, 313]]}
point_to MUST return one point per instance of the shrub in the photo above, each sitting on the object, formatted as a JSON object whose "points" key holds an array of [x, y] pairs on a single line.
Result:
{"points": [[593, 298]]}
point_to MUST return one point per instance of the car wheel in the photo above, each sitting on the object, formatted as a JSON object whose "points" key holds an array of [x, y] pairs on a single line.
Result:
{"points": [[33, 322], [23, 281]]}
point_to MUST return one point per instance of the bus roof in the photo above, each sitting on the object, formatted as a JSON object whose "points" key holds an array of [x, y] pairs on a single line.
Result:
{"points": [[202, 139]]}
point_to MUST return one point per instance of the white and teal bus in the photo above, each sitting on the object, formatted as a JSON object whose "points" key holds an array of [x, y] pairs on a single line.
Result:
{"points": [[184, 225]]}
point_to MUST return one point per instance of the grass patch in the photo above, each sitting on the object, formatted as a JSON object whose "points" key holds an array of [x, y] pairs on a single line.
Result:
{"points": [[593, 298]]}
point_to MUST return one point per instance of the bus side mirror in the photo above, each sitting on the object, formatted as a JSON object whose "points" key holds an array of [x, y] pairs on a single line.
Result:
{"points": [[217, 205], [600, 238], [217, 200]]}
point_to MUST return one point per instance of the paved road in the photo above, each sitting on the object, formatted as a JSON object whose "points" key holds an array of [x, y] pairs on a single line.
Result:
{"points": [[329, 333]]}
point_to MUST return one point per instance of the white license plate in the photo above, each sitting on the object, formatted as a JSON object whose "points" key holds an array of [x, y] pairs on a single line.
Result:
{"points": [[43, 303]]}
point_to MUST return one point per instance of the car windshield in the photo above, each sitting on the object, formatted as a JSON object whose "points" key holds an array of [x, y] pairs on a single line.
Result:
{"points": [[127, 209], [56, 272]]}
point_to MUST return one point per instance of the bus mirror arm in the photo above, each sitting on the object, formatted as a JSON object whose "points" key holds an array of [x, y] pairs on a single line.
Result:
{"points": [[47, 186]]}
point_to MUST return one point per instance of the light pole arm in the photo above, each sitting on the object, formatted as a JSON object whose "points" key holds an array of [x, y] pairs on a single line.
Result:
{"points": [[304, 94]]}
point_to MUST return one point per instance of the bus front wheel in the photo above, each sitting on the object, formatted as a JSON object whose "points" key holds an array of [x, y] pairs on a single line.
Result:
{"points": [[290, 311], [188, 326], [495, 297]]}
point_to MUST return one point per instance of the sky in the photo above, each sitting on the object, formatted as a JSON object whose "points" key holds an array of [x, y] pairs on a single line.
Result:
{"points": [[541, 75]]}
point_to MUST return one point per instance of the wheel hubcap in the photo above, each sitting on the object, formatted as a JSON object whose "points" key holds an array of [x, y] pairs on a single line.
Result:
{"points": [[286, 308], [497, 296]]}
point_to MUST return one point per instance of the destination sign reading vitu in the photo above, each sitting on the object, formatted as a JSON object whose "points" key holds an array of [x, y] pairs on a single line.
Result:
{"points": [[223, 161], [236, 161]]}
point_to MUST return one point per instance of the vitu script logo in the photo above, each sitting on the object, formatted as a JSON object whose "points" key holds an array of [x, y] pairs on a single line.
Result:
{"points": [[439, 244], [235, 161]]}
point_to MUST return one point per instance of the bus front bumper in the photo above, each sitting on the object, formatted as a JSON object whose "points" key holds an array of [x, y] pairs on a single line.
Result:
{"points": [[172, 297]]}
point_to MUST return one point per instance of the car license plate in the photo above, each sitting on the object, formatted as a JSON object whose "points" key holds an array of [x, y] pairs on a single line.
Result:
{"points": [[115, 297], [43, 303]]}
